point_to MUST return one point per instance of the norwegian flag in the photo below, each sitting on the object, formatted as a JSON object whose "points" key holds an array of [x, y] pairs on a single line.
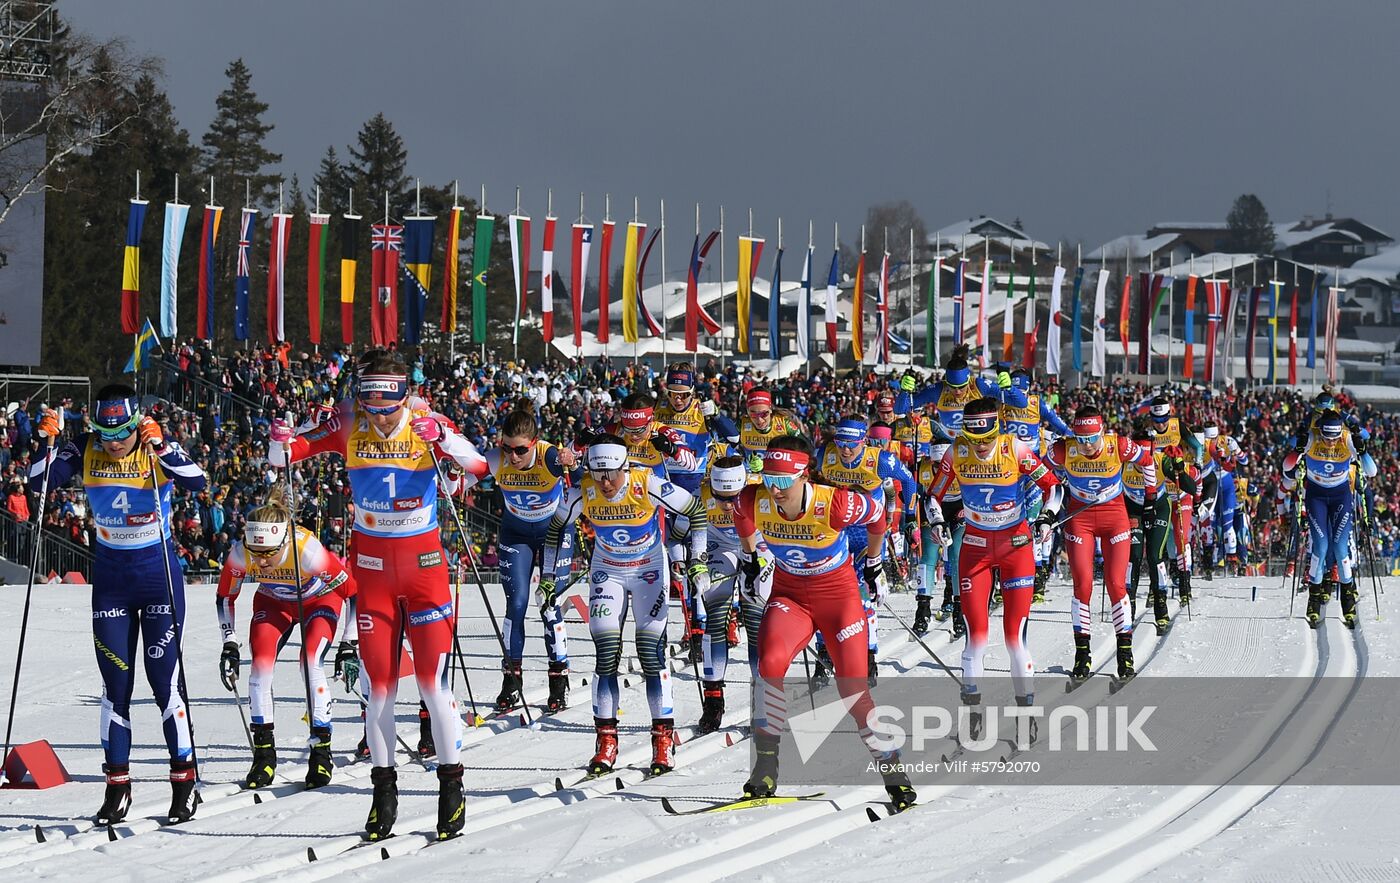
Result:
{"points": [[1215, 298], [386, 242]]}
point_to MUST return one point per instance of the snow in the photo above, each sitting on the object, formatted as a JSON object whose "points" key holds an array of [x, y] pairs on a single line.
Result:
{"points": [[1135, 245], [1381, 267], [519, 828]]}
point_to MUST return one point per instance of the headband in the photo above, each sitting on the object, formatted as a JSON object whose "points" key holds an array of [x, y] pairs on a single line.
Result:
{"points": [[728, 480], [979, 425], [760, 397], [606, 457], [883, 433], [785, 462], [115, 413], [1163, 410], [851, 431], [637, 418], [1087, 426], [383, 388], [957, 376], [677, 380], [264, 534]]}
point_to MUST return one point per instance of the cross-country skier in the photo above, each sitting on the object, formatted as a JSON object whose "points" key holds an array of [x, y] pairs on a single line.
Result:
{"points": [[761, 424], [1149, 505], [1025, 423], [814, 590], [1227, 455], [391, 453], [125, 463], [265, 556], [624, 503]]}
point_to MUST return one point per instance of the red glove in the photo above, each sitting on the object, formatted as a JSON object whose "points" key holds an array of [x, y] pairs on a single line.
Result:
{"points": [[51, 424], [150, 433], [427, 428]]}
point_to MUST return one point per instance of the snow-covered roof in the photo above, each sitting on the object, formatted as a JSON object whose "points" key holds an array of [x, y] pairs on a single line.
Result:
{"points": [[1381, 267], [1191, 225], [1292, 235], [1215, 264], [1138, 246], [954, 234]]}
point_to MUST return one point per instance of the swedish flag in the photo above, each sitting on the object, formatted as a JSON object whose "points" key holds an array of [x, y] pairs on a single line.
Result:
{"points": [[146, 341]]}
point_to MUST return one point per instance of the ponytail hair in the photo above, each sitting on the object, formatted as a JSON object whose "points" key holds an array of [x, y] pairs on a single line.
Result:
{"points": [[521, 422], [275, 506], [958, 358]]}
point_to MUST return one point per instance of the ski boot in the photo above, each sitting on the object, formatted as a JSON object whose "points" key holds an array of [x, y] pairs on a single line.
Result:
{"points": [[1083, 665], [897, 784], [713, 711], [872, 671], [319, 765], [511, 683], [1315, 601], [183, 796], [264, 758], [452, 801], [1132, 603], [663, 746], [946, 610], [976, 719], [606, 754], [362, 749], [117, 800], [1183, 587], [959, 627], [1042, 576], [1032, 727], [821, 672], [1159, 611], [384, 809], [996, 597], [923, 612], [1125, 657], [1329, 588], [558, 687], [763, 779], [1349, 605]]}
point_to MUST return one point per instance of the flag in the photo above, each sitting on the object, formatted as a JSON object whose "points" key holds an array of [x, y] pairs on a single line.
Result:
{"points": [[578, 270], [1229, 307], [1057, 319], [1271, 331], [774, 314], [1099, 366], [1312, 323], [207, 238], [481, 263], [1188, 368], [1161, 293], [604, 267], [631, 254], [804, 310], [316, 274], [654, 327], [1124, 309], [933, 315], [547, 283], [1215, 297], [175, 216], [695, 315], [1076, 346], [418, 268], [959, 281], [1008, 319], [983, 340], [276, 277], [519, 226], [833, 284], [1144, 335], [1031, 328], [1329, 343], [1251, 323], [749, 251], [145, 342], [386, 242], [131, 268], [882, 313], [858, 312], [1293, 340], [450, 271], [240, 280], [349, 261]]}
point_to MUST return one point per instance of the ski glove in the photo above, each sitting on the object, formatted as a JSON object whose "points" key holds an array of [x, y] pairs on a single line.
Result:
{"points": [[907, 383], [229, 661], [427, 428], [1045, 526], [664, 446], [548, 595], [51, 424], [347, 665], [707, 407], [1004, 379], [151, 434], [875, 583], [755, 463], [699, 580], [758, 578]]}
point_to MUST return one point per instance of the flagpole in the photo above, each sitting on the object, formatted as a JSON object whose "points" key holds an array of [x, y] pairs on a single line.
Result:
{"points": [[663, 285], [577, 298], [1128, 285], [722, 348], [626, 269], [136, 338], [1312, 323], [1171, 321], [811, 270], [695, 355], [481, 210], [911, 298], [773, 299]]}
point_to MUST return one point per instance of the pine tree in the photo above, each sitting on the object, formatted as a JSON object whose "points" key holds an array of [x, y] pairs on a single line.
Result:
{"points": [[378, 165], [334, 181], [1250, 227], [233, 146]]}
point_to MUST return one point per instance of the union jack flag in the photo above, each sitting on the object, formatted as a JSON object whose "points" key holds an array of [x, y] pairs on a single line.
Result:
{"points": [[245, 242], [388, 236]]}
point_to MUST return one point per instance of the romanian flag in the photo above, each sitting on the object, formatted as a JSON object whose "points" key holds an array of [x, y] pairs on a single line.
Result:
{"points": [[547, 283], [858, 311], [316, 274], [578, 275], [386, 243], [630, 256], [131, 268], [276, 277], [520, 263], [418, 267], [204, 329], [695, 314], [1189, 366], [481, 261], [249, 228], [349, 260], [449, 271], [604, 268], [146, 341]]}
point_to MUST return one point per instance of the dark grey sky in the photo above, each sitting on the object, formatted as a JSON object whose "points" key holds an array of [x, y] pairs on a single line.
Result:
{"points": [[1084, 119]]}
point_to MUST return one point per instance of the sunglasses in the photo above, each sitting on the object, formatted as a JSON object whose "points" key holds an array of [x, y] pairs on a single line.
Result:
{"points": [[849, 445], [517, 450], [781, 482], [605, 474], [1090, 440], [262, 553], [114, 435], [760, 415], [724, 500], [382, 411]]}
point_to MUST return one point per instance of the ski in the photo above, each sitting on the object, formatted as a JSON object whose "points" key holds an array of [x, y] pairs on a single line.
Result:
{"points": [[740, 803], [890, 811]]}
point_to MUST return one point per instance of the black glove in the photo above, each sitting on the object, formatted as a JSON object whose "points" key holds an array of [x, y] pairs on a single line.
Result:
{"points": [[1300, 441], [347, 665], [229, 661], [1360, 443], [664, 446], [583, 437]]}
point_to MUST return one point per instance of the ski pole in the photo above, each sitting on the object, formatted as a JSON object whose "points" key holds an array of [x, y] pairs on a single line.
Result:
{"points": [[244, 715], [458, 657], [467, 553], [927, 649], [301, 588], [175, 616], [28, 594], [811, 687]]}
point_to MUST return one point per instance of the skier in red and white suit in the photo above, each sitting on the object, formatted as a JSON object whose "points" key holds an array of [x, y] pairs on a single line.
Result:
{"points": [[391, 452]]}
